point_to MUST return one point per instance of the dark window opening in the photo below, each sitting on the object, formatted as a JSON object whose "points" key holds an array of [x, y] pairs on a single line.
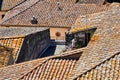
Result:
{"points": [[79, 39], [87, 38]]}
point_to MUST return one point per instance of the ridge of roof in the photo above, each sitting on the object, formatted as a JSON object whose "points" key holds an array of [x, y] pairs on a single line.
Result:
{"points": [[33, 63], [12, 37], [102, 63], [72, 52], [72, 8], [24, 9], [104, 42], [8, 4], [80, 26], [34, 25], [54, 65], [19, 31], [16, 70]]}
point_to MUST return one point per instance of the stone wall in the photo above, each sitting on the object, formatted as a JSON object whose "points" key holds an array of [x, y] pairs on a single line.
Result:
{"points": [[34, 45]]}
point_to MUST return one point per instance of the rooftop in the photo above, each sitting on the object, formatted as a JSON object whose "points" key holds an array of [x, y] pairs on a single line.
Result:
{"points": [[51, 63], [105, 41], [4, 55], [14, 43], [9, 4], [61, 13], [17, 70], [100, 2], [99, 60]]}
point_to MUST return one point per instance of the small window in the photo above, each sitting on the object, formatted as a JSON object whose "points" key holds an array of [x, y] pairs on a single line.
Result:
{"points": [[58, 34], [3, 16]]}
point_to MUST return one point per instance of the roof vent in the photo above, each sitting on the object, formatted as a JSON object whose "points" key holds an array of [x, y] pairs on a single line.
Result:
{"points": [[60, 9], [34, 20]]}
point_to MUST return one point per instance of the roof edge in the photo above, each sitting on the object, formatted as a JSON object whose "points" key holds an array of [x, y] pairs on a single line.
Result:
{"points": [[12, 37], [55, 56], [35, 25], [78, 75]]}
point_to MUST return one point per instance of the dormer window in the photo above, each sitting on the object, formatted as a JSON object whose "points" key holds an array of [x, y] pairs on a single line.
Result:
{"points": [[34, 20], [79, 39]]}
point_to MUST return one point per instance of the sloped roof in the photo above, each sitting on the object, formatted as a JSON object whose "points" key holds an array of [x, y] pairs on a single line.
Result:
{"points": [[52, 63], [15, 71], [26, 4], [91, 20], [91, 1], [8, 4], [52, 69], [104, 46], [14, 43], [4, 55], [19, 31], [107, 70], [53, 13], [104, 43]]}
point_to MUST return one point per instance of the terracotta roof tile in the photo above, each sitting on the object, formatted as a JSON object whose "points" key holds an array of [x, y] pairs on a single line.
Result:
{"points": [[49, 67], [91, 20], [4, 55], [15, 71], [107, 42], [97, 61], [52, 69], [108, 70], [14, 43], [53, 13], [8, 4], [26, 4]]}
